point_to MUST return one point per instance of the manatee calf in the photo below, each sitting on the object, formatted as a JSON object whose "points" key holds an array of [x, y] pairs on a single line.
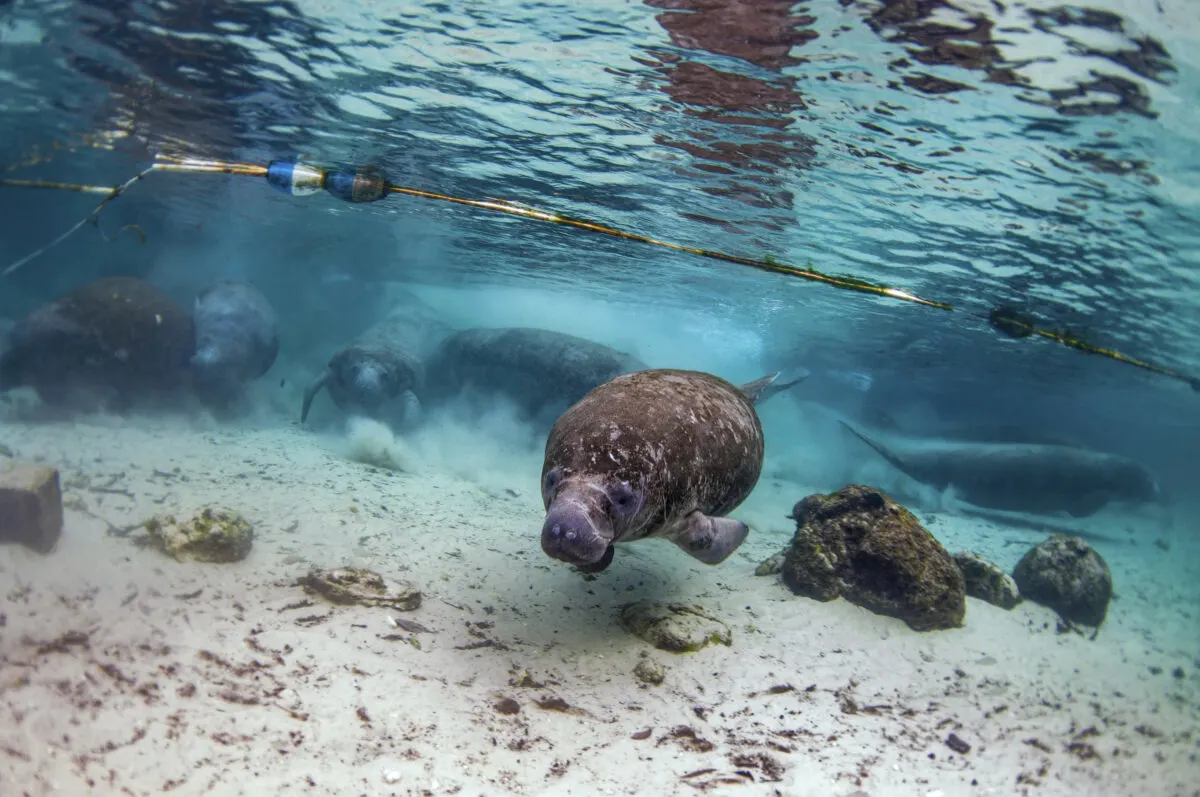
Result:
{"points": [[543, 372], [1021, 477], [107, 345], [237, 339], [654, 453], [380, 373]]}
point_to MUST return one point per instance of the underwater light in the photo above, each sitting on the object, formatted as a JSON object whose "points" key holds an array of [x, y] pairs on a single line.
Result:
{"points": [[367, 184]]}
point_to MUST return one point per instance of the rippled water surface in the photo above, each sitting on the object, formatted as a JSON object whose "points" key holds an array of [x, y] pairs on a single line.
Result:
{"points": [[979, 153], [1033, 156]]}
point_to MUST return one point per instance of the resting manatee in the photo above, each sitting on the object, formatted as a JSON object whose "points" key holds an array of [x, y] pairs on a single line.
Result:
{"points": [[655, 453], [236, 338], [109, 344], [1021, 477], [543, 372], [378, 373]]}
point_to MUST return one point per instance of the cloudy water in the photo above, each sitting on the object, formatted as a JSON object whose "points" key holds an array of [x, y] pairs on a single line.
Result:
{"points": [[363, 257]]}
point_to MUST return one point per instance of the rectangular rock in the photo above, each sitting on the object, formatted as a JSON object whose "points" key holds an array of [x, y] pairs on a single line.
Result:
{"points": [[31, 511]]}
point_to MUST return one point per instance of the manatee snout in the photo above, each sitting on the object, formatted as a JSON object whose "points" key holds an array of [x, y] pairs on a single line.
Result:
{"points": [[584, 518], [574, 535], [368, 384]]}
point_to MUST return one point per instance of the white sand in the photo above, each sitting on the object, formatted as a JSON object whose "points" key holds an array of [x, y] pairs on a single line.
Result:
{"points": [[197, 679]]}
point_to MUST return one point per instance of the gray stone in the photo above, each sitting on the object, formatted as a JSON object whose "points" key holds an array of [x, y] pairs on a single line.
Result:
{"points": [[772, 565], [31, 511], [1065, 574], [675, 627], [987, 581], [649, 671]]}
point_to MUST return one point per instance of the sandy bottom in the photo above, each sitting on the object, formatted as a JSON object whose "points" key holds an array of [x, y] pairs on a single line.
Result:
{"points": [[125, 672]]}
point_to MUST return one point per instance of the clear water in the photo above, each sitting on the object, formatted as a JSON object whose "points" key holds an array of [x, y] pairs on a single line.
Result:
{"points": [[1034, 155]]}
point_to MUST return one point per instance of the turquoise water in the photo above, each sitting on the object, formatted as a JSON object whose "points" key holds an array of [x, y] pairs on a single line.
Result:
{"points": [[1038, 157]]}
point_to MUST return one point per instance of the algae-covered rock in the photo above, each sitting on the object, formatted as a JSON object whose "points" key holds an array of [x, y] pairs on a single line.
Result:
{"points": [[213, 535], [1067, 575], [358, 586], [987, 581], [675, 627], [771, 565], [649, 671], [860, 544]]}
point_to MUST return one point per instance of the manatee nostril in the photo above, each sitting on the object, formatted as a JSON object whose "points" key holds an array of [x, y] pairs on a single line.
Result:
{"points": [[572, 536], [556, 531]]}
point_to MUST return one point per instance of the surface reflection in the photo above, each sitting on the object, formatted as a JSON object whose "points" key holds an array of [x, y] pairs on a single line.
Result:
{"points": [[745, 145]]}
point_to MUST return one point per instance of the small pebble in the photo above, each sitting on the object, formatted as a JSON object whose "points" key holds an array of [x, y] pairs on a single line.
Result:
{"points": [[955, 743]]}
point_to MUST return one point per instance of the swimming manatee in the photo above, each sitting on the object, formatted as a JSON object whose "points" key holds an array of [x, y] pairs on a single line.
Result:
{"points": [[1020, 477], [237, 338], [381, 373], [541, 371], [654, 453], [110, 344]]}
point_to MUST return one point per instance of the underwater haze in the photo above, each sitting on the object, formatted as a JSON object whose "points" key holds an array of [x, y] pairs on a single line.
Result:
{"points": [[344, 447]]}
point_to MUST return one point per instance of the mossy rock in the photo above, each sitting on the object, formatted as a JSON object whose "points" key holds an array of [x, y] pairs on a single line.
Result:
{"points": [[858, 544], [772, 565], [649, 671], [674, 627], [349, 586], [214, 535], [1067, 575], [987, 581]]}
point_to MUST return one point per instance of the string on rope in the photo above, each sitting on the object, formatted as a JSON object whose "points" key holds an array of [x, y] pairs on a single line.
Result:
{"points": [[368, 184]]}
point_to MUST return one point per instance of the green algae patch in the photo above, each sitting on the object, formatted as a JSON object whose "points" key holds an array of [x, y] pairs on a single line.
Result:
{"points": [[214, 535]]}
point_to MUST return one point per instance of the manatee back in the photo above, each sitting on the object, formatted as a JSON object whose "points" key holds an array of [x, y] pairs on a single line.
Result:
{"points": [[536, 368], [689, 440], [119, 336]]}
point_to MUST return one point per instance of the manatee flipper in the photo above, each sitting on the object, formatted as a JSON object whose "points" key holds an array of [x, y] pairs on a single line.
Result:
{"points": [[711, 539], [762, 389], [312, 391]]}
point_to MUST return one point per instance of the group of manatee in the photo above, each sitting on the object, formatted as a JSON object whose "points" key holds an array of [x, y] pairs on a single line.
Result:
{"points": [[632, 452], [120, 342]]}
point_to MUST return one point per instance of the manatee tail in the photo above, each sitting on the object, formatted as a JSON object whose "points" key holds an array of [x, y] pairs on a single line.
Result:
{"points": [[881, 449], [312, 391], [9, 375], [762, 389]]}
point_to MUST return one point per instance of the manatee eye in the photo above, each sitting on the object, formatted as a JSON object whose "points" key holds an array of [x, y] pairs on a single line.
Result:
{"points": [[550, 482], [625, 500]]}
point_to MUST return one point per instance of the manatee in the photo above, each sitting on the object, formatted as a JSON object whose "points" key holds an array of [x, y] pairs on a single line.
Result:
{"points": [[541, 371], [381, 373], [109, 344], [976, 432], [1021, 477], [237, 339], [654, 453]]}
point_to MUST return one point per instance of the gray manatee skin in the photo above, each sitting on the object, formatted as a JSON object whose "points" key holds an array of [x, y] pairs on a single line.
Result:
{"points": [[1021, 477], [541, 371], [654, 453], [381, 373], [237, 336], [108, 344]]}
